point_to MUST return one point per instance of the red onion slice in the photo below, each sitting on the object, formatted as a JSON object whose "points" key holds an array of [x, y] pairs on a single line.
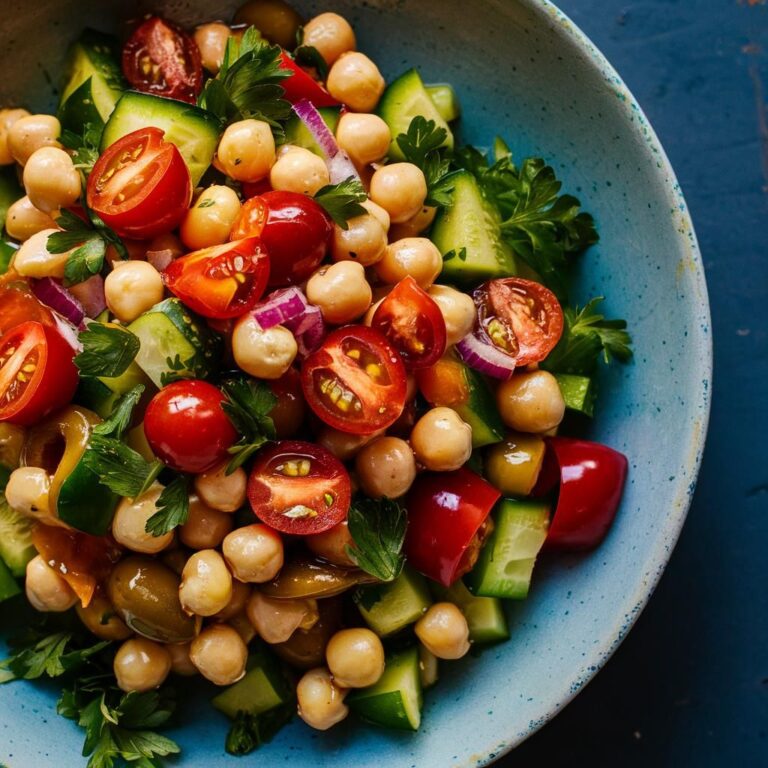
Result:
{"points": [[90, 293], [309, 329], [57, 297], [485, 357], [280, 307], [68, 332], [160, 259]]}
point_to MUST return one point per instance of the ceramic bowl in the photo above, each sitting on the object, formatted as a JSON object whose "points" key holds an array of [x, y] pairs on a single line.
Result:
{"points": [[522, 69]]}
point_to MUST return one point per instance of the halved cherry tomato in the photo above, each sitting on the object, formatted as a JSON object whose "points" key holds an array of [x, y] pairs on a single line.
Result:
{"points": [[162, 59], [521, 317], [186, 427], [301, 86], [222, 281], [18, 304], [355, 381], [253, 188], [299, 488], [447, 513], [590, 479], [412, 323], [140, 186], [37, 374], [295, 230]]}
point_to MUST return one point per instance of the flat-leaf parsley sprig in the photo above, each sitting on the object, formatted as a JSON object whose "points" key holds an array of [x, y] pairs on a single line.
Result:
{"points": [[378, 529]]}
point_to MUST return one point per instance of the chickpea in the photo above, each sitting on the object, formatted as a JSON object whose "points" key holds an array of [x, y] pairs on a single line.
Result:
{"points": [[343, 445], [46, 589], [277, 21], [131, 288], [205, 527], [458, 311], [355, 658], [441, 441], [141, 665], [299, 171], [444, 631], [386, 468], [341, 291], [331, 34], [209, 221], [332, 544], [356, 81], [212, 39], [242, 625], [400, 189], [102, 620], [321, 701], [33, 259], [220, 491], [254, 553], [206, 584], [30, 133], [181, 664], [380, 213], [51, 179], [415, 225], [7, 118], [414, 256], [246, 150], [531, 402], [265, 354], [130, 520], [27, 491], [276, 619], [241, 593], [24, 220], [219, 654], [364, 137], [364, 240]]}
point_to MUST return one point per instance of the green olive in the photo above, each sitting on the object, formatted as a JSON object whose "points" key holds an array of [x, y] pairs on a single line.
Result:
{"points": [[145, 594], [302, 577], [276, 20], [513, 465], [305, 648]]}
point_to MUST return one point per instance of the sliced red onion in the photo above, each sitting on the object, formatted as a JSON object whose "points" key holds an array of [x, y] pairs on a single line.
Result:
{"points": [[90, 293], [57, 297], [485, 357], [340, 168], [160, 259], [280, 307], [308, 329]]}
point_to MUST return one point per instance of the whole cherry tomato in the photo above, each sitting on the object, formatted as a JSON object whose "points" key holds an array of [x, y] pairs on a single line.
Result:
{"points": [[301, 86]]}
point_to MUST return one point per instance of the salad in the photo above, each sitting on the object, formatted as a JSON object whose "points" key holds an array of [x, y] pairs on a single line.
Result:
{"points": [[290, 382]]}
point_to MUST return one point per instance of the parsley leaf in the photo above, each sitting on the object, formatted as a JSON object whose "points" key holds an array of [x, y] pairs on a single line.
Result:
{"points": [[309, 56], [86, 261], [248, 405], [120, 418], [108, 349], [120, 468], [172, 507], [248, 732], [85, 146], [342, 201], [378, 531], [422, 145]]}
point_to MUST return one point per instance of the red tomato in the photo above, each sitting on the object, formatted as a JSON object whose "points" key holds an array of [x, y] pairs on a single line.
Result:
{"points": [[37, 374], [222, 281], [446, 512], [301, 86], [161, 59], [355, 381], [19, 304], [140, 186], [521, 317], [186, 427], [299, 488], [412, 323], [590, 477], [295, 230], [253, 188]]}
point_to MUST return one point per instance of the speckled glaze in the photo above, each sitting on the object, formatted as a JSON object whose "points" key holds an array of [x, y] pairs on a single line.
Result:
{"points": [[524, 70]]}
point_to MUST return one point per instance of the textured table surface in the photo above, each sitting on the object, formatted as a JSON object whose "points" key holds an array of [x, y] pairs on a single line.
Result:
{"points": [[689, 686]]}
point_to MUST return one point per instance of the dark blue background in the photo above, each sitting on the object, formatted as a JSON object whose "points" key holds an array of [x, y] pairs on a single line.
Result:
{"points": [[689, 686]]}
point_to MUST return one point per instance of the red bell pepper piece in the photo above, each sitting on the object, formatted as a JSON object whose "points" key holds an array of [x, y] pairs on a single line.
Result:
{"points": [[301, 86]]}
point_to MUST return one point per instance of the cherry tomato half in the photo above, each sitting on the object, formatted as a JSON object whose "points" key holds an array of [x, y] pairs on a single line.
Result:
{"points": [[355, 381], [37, 374], [18, 304], [140, 186], [295, 230], [162, 59], [186, 427], [412, 323], [222, 281], [301, 86], [521, 317], [299, 488]]}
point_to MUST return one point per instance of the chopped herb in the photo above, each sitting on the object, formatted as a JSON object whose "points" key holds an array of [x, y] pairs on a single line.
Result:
{"points": [[120, 468], [108, 350], [461, 254], [120, 418], [309, 56], [248, 405], [209, 203], [378, 531], [342, 201], [172, 507], [422, 145], [84, 146], [248, 732]]}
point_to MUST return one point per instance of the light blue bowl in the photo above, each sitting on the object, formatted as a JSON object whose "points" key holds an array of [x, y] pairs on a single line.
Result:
{"points": [[524, 70]]}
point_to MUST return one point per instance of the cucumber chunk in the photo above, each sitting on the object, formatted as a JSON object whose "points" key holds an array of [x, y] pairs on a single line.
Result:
{"points": [[396, 700], [10, 192], [100, 394], [484, 615], [506, 562], [578, 392], [16, 548], [8, 586], [445, 100], [298, 134], [84, 503]]}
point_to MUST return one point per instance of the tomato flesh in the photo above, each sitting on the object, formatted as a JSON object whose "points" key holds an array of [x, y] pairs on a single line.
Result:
{"points": [[299, 488], [220, 282], [355, 381], [412, 323], [186, 426], [19, 304], [301, 86], [140, 186]]}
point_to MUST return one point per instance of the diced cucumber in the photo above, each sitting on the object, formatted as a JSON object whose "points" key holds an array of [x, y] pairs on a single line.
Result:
{"points": [[445, 100], [174, 342], [16, 548], [404, 99], [193, 130], [84, 503], [101, 394], [467, 233], [297, 133], [388, 608], [136, 438], [396, 700], [93, 81], [429, 667], [484, 615], [8, 586], [7, 250], [578, 392], [10, 192], [506, 561]]}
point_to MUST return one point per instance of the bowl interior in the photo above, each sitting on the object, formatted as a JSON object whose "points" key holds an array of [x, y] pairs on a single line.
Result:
{"points": [[522, 70]]}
